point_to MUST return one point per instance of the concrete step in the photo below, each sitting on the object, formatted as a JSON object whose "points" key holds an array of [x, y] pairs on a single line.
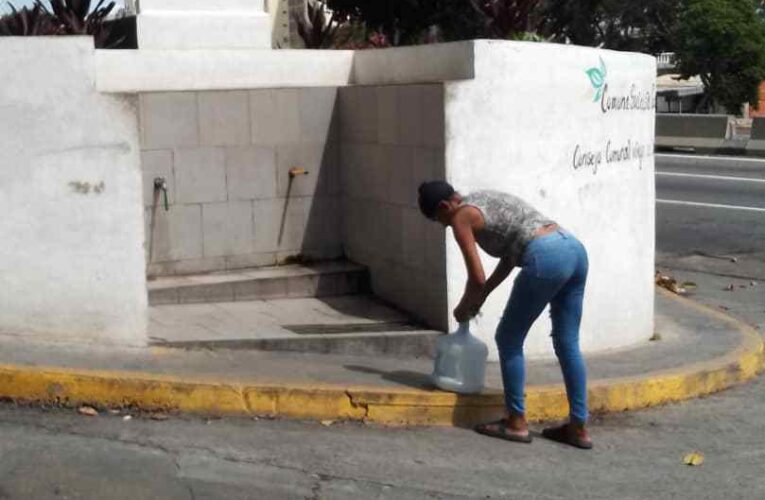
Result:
{"points": [[178, 30], [413, 342], [294, 281], [359, 325]]}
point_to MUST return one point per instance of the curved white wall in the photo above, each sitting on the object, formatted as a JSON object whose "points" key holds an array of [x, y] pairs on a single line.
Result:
{"points": [[521, 126]]}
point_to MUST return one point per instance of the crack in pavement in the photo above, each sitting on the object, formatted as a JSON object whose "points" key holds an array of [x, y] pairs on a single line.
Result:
{"points": [[173, 454]]}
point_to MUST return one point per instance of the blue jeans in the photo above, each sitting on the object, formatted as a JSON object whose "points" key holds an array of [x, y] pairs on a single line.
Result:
{"points": [[554, 272]]}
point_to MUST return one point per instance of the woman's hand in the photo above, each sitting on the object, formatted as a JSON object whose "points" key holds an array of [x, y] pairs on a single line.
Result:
{"points": [[469, 306], [462, 313]]}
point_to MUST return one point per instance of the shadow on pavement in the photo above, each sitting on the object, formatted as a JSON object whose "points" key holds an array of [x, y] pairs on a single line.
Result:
{"points": [[416, 380]]}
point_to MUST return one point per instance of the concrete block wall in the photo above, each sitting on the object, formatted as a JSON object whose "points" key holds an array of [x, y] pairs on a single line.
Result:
{"points": [[391, 140], [226, 156]]}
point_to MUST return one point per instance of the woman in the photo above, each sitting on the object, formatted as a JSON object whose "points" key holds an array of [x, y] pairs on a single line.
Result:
{"points": [[554, 271]]}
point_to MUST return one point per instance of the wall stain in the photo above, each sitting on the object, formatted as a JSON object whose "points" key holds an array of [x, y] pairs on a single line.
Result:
{"points": [[85, 187]]}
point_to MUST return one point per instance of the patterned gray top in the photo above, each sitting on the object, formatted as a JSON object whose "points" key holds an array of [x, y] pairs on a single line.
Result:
{"points": [[509, 222]]}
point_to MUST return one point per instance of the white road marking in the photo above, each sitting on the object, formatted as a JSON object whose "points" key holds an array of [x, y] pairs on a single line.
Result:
{"points": [[712, 177], [754, 161], [710, 205]]}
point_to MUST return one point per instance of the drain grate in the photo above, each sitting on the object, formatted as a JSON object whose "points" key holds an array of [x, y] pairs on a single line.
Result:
{"points": [[330, 329]]}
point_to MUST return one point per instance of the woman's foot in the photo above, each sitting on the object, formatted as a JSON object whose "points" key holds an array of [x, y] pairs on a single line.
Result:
{"points": [[572, 434], [511, 428]]}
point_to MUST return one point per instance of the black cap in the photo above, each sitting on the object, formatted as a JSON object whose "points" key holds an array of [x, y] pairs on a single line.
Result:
{"points": [[431, 194]]}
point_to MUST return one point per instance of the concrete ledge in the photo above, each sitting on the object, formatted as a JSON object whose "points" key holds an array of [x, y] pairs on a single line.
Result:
{"points": [[699, 132], [756, 144], [384, 405], [418, 64], [131, 71]]}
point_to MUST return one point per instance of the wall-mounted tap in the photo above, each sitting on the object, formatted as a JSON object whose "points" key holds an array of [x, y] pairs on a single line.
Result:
{"points": [[295, 171], [160, 184]]}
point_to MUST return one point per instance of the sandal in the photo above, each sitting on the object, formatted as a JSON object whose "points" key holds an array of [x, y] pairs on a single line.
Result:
{"points": [[570, 435], [500, 430]]}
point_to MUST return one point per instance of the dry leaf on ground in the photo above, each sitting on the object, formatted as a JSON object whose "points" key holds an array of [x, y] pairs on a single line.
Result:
{"points": [[327, 423], [694, 458], [669, 283], [88, 411], [730, 288], [159, 416]]}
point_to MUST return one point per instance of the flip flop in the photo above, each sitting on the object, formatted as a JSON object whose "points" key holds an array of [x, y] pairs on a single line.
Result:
{"points": [[501, 432], [561, 434]]}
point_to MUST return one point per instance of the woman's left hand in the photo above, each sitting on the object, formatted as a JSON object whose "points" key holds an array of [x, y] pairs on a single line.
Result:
{"points": [[462, 313], [469, 307]]}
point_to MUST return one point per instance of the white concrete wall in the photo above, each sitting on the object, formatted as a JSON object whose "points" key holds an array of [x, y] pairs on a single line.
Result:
{"points": [[71, 261], [203, 24], [392, 139], [505, 115], [168, 70], [519, 126], [226, 156]]}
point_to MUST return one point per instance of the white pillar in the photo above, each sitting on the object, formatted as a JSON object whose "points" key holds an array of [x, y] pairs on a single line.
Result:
{"points": [[203, 24]]}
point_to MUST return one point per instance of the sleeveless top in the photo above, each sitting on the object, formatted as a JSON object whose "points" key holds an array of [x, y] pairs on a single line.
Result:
{"points": [[509, 223]]}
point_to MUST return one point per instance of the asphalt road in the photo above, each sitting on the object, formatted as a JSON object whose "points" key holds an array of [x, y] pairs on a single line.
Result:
{"points": [[717, 208]]}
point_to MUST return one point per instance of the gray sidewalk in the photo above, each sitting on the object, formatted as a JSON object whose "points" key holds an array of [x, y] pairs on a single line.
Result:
{"points": [[688, 336]]}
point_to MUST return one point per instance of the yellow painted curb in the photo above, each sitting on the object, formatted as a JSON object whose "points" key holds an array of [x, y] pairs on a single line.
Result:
{"points": [[385, 405]]}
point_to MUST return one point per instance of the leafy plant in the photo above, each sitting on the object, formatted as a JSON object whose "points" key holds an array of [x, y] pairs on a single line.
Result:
{"points": [[36, 21], [316, 30], [77, 18], [357, 37], [68, 17], [722, 41], [644, 26], [529, 36], [507, 18], [405, 22]]}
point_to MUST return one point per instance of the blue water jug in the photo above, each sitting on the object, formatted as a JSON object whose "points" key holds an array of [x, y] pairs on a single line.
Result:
{"points": [[460, 364]]}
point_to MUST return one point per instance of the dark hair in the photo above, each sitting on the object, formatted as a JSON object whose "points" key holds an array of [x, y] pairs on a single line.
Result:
{"points": [[431, 194]]}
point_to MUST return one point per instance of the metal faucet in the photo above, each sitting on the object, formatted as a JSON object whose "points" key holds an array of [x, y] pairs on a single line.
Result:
{"points": [[160, 183]]}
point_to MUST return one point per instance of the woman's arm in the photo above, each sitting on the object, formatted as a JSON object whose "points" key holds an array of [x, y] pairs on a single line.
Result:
{"points": [[465, 221], [500, 274]]}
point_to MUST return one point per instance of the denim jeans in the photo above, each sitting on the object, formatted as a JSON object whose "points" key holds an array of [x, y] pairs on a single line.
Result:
{"points": [[554, 271]]}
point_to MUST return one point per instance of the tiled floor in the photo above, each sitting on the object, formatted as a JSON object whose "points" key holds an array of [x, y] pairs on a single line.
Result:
{"points": [[263, 319]]}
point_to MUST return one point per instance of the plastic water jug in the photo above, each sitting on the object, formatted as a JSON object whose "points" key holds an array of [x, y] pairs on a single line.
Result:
{"points": [[460, 362]]}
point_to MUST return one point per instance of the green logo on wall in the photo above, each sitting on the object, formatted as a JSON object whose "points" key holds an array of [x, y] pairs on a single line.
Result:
{"points": [[598, 79]]}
